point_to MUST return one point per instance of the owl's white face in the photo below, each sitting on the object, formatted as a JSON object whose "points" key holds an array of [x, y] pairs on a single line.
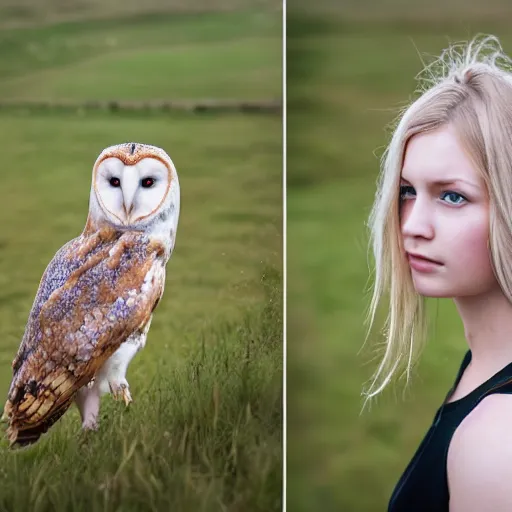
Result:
{"points": [[130, 194]]}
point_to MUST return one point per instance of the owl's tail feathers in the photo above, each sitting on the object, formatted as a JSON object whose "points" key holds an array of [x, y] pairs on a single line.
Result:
{"points": [[21, 438], [24, 437], [31, 415]]}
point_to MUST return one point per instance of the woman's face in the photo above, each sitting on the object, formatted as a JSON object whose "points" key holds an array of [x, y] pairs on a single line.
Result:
{"points": [[444, 217]]}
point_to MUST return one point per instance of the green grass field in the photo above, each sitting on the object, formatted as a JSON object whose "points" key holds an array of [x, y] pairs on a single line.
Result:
{"points": [[347, 77], [205, 429], [170, 56]]}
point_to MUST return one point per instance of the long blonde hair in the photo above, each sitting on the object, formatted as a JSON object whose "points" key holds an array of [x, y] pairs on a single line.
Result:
{"points": [[469, 86]]}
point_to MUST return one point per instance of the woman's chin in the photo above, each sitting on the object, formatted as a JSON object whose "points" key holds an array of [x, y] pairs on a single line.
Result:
{"points": [[430, 290]]}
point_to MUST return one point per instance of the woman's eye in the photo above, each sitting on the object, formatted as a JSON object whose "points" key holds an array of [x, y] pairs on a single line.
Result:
{"points": [[115, 182], [148, 182], [453, 197], [407, 192]]}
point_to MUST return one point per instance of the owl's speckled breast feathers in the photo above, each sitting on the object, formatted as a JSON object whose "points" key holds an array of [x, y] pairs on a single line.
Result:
{"points": [[99, 290]]}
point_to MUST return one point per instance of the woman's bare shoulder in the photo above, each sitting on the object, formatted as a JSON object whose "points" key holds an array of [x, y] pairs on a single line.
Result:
{"points": [[480, 458]]}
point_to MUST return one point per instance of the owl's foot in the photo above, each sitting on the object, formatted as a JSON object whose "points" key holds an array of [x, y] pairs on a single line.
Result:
{"points": [[121, 390], [90, 423], [86, 435]]}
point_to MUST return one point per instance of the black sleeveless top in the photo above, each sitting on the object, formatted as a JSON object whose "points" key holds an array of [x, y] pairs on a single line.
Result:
{"points": [[424, 484]]}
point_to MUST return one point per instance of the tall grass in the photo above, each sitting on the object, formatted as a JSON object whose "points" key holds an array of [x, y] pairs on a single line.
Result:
{"points": [[205, 435]]}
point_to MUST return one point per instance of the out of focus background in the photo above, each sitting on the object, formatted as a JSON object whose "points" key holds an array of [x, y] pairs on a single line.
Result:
{"points": [[351, 66], [205, 429]]}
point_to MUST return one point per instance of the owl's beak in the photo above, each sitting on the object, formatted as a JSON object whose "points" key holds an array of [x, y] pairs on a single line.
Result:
{"points": [[129, 188], [127, 212]]}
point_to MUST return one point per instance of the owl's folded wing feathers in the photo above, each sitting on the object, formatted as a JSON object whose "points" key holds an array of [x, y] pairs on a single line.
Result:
{"points": [[107, 297]]}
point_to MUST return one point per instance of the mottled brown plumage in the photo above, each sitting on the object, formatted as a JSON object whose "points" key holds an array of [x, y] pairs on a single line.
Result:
{"points": [[92, 320]]}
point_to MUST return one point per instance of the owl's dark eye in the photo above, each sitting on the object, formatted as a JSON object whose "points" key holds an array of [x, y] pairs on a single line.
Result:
{"points": [[147, 182], [115, 182]]}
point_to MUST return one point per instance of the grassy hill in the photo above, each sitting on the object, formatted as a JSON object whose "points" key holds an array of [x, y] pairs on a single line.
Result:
{"points": [[28, 12]]}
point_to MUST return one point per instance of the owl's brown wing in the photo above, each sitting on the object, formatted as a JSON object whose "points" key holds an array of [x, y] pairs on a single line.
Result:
{"points": [[105, 299]]}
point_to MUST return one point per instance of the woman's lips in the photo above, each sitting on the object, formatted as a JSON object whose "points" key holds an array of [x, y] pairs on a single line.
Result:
{"points": [[422, 264]]}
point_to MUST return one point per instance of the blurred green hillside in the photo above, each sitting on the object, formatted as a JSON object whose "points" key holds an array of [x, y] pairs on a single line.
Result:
{"points": [[26, 12]]}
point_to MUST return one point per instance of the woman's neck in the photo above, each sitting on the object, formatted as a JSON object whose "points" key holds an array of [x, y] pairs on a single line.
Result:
{"points": [[487, 323]]}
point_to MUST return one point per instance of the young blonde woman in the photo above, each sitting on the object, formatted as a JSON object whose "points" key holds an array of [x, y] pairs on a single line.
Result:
{"points": [[442, 227]]}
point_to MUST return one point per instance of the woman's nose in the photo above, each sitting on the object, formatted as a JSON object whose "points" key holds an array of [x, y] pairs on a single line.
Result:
{"points": [[417, 219]]}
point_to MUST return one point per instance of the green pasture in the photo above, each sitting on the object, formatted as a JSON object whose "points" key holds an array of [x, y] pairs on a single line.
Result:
{"points": [[347, 78], [205, 429], [170, 56]]}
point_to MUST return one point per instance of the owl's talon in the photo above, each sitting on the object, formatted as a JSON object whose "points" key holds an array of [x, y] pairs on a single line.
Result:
{"points": [[127, 397], [121, 391]]}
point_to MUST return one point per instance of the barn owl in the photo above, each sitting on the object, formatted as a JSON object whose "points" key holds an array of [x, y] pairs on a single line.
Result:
{"points": [[96, 298]]}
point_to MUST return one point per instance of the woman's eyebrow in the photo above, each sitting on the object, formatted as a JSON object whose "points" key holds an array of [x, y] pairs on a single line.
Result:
{"points": [[447, 182]]}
